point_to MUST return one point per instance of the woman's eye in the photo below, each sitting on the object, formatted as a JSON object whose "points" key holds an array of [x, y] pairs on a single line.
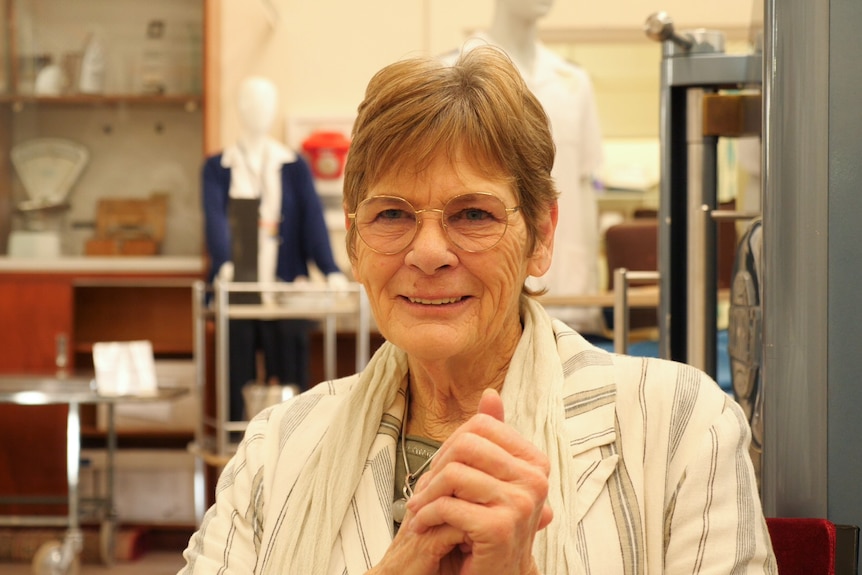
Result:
{"points": [[476, 214], [471, 215], [394, 214]]}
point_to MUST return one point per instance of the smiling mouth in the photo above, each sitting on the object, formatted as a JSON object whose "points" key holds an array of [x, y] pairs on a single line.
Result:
{"points": [[441, 301]]}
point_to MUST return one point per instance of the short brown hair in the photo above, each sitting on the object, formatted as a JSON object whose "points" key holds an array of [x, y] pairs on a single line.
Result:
{"points": [[416, 109]]}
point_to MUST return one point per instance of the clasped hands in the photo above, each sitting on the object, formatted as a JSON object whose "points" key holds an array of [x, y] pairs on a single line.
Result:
{"points": [[479, 507]]}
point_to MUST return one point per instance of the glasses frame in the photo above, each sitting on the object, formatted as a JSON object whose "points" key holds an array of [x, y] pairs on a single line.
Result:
{"points": [[416, 213]]}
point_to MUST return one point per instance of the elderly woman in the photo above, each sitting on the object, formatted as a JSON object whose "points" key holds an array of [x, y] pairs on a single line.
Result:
{"points": [[483, 437]]}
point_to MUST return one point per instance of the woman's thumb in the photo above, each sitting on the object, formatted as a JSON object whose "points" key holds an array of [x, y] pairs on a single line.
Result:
{"points": [[491, 404]]}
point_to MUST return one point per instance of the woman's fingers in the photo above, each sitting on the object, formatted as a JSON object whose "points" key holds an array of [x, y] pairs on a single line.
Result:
{"points": [[414, 553], [502, 512], [478, 470], [492, 447], [497, 520], [487, 443]]}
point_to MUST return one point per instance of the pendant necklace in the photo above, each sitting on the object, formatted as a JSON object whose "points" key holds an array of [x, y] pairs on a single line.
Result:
{"points": [[399, 506]]}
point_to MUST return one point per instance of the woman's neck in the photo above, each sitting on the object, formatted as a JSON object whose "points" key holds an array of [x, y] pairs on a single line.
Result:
{"points": [[444, 397]]}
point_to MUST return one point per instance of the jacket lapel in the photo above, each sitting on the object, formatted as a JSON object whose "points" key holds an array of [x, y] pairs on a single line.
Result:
{"points": [[589, 397]]}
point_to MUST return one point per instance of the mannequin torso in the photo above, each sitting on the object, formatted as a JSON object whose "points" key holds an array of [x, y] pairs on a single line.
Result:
{"points": [[261, 168], [264, 223], [255, 163], [566, 93]]}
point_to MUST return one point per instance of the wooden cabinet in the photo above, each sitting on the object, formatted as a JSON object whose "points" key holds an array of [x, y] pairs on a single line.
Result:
{"points": [[139, 106], [52, 319], [36, 312], [123, 309], [35, 324]]}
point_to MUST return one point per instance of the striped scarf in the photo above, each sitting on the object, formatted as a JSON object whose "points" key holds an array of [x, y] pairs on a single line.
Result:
{"points": [[340, 521]]}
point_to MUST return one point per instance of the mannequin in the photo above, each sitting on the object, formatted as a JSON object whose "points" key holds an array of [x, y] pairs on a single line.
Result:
{"points": [[566, 93], [264, 222]]}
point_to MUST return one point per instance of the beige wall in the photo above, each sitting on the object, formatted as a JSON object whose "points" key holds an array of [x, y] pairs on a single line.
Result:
{"points": [[321, 53]]}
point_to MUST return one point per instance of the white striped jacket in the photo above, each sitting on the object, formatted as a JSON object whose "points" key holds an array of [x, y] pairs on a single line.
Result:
{"points": [[659, 456]]}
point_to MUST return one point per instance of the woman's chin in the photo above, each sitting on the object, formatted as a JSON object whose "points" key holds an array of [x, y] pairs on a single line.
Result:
{"points": [[430, 342]]}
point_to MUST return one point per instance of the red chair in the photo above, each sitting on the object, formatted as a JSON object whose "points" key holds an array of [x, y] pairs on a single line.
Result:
{"points": [[806, 546]]}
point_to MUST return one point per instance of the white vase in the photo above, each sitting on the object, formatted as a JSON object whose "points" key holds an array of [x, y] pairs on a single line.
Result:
{"points": [[92, 80]]}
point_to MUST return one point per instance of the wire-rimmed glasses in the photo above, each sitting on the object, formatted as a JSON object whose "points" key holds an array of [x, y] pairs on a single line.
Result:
{"points": [[473, 222]]}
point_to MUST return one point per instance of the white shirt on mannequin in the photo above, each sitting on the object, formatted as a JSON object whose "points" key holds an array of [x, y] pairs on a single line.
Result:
{"points": [[566, 93]]}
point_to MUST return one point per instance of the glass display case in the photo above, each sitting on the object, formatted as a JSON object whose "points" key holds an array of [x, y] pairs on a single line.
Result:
{"points": [[101, 127]]}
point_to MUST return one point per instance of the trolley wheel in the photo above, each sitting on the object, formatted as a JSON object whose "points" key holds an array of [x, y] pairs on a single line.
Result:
{"points": [[107, 541], [48, 560]]}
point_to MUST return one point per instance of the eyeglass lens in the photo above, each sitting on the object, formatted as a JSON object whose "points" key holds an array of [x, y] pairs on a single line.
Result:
{"points": [[473, 222]]}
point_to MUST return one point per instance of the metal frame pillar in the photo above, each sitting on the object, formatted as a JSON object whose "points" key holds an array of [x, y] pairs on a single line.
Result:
{"points": [[693, 64]]}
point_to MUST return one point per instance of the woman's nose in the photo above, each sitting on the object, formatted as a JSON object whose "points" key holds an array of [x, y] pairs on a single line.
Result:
{"points": [[431, 248], [430, 230]]}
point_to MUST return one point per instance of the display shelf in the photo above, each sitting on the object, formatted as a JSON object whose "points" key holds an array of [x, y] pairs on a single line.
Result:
{"points": [[142, 137], [113, 270], [184, 100]]}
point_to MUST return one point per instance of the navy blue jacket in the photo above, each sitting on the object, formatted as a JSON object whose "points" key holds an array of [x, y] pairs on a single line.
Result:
{"points": [[302, 231]]}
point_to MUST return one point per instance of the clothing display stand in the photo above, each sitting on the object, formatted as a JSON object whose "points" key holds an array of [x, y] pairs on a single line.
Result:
{"points": [[213, 444]]}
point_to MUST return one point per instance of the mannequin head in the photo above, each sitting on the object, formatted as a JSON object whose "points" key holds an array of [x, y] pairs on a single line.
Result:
{"points": [[257, 103], [524, 10]]}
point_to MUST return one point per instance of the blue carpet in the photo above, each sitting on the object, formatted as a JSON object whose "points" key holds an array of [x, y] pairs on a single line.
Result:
{"points": [[650, 349]]}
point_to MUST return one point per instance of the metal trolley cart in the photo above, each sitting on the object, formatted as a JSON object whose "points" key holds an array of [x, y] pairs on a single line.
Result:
{"points": [[60, 557], [213, 445]]}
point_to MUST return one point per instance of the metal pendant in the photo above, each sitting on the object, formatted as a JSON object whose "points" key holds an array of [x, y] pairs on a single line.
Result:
{"points": [[399, 509]]}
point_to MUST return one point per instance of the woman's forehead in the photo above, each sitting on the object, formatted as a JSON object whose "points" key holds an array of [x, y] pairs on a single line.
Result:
{"points": [[442, 180], [443, 169]]}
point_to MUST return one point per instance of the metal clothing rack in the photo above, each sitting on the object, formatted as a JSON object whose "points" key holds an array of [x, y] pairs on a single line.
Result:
{"points": [[213, 445]]}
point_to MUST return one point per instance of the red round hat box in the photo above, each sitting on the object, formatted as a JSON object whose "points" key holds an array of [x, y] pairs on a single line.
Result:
{"points": [[326, 152]]}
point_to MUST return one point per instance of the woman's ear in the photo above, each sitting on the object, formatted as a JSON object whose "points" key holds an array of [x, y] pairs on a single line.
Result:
{"points": [[540, 261]]}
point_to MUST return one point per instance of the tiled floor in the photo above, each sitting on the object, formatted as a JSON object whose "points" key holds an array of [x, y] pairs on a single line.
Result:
{"points": [[152, 563]]}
